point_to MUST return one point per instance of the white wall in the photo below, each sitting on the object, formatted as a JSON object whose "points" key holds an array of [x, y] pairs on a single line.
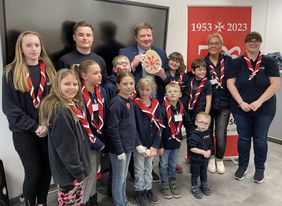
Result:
{"points": [[265, 19]]}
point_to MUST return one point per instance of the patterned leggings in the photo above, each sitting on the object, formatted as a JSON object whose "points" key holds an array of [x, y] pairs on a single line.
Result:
{"points": [[70, 194]]}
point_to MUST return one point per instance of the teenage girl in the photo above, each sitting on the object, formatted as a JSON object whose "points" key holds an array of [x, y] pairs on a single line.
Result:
{"points": [[69, 137], [26, 81], [123, 136], [95, 102]]}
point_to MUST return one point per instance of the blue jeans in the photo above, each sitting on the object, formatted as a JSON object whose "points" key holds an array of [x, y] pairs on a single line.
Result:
{"points": [[168, 164], [119, 174], [220, 118], [142, 172], [255, 127]]}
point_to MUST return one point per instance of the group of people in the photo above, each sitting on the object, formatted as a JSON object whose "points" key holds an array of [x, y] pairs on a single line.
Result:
{"points": [[70, 115]]}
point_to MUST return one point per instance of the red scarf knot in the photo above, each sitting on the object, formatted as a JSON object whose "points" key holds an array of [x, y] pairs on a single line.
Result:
{"points": [[36, 99], [192, 102], [173, 130], [98, 125]]}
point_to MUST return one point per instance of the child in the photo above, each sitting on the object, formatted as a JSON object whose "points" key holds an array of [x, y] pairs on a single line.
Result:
{"points": [[198, 94], [123, 136], [174, 116], [199, 144], [176, 71], [95, 102], [149, 123], [199, 90], [69, 137], [177, 74], [120, 63], [26, 82]]}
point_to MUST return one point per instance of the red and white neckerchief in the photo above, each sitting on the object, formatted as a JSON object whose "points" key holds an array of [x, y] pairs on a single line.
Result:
{"points": [[36, 100], [173, 130], [219, 80], [150, 112], [133, 95], [250, 66], [82, 119], [98, 125], [192, 102], [179, 81]]}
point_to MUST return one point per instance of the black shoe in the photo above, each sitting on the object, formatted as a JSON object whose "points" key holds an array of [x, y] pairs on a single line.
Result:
{"points": [[141, 198], [258, 176], [240, 173], [152, 198], [205, 189], [93, 200], [156, 178], [196, 192]]}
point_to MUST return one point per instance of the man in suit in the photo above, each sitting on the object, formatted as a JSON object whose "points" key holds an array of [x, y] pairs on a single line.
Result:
{"points": [[143, 34]]}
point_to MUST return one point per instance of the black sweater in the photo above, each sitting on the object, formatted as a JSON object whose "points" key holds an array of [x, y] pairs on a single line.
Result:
{"points": [[74, 57], [18, 106], [166, 142], [200, 140], [121, 126], [149, 134], [69, 147]]}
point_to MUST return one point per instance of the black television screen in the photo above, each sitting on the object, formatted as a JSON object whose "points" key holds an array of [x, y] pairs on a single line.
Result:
{"points": [[53, 20]]}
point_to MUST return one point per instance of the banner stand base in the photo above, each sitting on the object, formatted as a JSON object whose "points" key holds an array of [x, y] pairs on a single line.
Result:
{"points": [[234, 159]]}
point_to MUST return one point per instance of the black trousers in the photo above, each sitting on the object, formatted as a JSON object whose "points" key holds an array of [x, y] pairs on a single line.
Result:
{"points": [[198, 169], [33, 152]]}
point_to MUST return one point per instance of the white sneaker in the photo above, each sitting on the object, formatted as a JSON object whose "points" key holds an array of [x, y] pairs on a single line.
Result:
{"points": [[220, 168], [211, 165]]}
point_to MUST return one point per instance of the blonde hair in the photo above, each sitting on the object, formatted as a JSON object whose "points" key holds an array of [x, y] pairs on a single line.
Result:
{"points": [[215, 35], [19, 67], [176, 56], [83, 68], [147, 82], [172, 85], [204, 115], [56, 99], [117, 58]]}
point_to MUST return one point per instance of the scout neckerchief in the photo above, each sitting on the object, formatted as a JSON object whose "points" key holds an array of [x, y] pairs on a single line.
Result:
{"points": [[179, 81], [173, 130], [98, 125], [219, 80], [82, 119], [250, 66], [36, 100], [192, 102], [133, 95], [150, 112]]}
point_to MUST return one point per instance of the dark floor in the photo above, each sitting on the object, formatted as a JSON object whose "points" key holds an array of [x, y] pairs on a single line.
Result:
{"points": [[226, 190]]}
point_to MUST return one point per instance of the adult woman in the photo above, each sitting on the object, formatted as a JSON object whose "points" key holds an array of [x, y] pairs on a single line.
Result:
{"points": [[218, 64], [252, 81], [26, 81]]}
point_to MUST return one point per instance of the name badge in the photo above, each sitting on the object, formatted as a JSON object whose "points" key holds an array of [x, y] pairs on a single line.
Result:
{"points": [[178, 117], [213, 81], [95, 107]]}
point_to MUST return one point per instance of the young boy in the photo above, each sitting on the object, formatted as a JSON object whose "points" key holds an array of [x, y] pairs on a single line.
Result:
{"points": [[199, 144], [198, 94], [120, 63], [174, 116]]}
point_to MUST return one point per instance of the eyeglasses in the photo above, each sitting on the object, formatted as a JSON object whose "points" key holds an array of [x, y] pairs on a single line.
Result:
{"points": [[175, 61], [214, 44], [253, 42], [203, 123], [122, 63]]}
